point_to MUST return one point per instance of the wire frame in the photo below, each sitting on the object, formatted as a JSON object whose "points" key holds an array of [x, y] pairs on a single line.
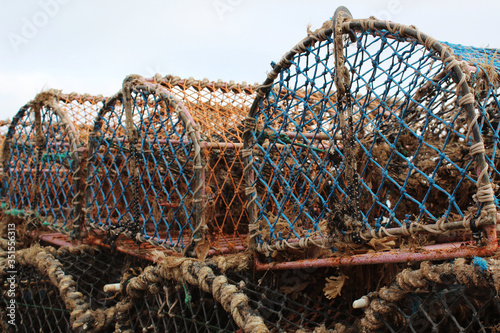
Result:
{"points": [[394, 154], [42, 162]]}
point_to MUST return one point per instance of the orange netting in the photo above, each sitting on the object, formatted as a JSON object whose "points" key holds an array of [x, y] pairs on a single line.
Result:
{"points": [[219, 109]]}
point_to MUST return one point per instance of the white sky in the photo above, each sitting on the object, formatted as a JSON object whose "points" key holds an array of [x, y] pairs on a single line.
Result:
{"points": [[90, 46]]}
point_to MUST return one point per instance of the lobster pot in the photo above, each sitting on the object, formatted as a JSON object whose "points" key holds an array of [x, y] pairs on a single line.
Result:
{"points": [[141, 177], [391, 152], [162, 162], [165, 164], [483, 69], [109, 194], [18, 161], [61, 290], [42, 159], [190, 310], [218, 110]]}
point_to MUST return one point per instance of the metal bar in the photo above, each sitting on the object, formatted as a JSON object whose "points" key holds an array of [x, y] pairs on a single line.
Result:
{"points": [[226, 250], [60, 240], [56, 239], [430, 252]]}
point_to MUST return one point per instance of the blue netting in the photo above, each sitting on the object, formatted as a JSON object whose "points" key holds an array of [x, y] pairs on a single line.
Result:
{"points": [[412, 163], [57, 166], [157, 205], [19, 161], [178, 174], [485, 80], [476, 55], [166, 183], [109, 192], [41, 159]]}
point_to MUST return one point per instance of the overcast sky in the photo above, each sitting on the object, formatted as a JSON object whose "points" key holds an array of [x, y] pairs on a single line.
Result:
{"points": [[90, 46]]}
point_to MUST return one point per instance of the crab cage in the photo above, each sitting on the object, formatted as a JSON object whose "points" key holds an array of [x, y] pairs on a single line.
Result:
{"points": [[165, 164], [61, 290], [366, 132], [43, 159]]}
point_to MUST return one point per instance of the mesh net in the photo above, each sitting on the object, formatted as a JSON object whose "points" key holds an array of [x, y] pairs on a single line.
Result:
{"points": [[179, 308], [484, 68], [219, 109], [42, 306], [42, 157], [476, 55], [348, 140], [394, 152], [177, 169], [447, 308], [108, 175], [449, 297], [4, 127]]}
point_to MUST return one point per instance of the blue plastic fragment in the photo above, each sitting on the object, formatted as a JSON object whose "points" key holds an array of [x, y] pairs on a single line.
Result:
{"points": [[480, 263]]}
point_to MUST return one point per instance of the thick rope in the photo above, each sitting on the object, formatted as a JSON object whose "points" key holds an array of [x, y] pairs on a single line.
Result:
{"points": [[382, 303], [198, 274], [172, 80], [82, 317]]}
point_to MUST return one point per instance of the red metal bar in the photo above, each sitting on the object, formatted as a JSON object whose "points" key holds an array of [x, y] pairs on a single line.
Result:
{"points": [[128, 246], [56, 239], [226, 250], [431, 252]]}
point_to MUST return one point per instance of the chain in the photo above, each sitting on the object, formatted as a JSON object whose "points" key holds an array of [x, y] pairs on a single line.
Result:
{"points": [[135, 188], [344, 105]]}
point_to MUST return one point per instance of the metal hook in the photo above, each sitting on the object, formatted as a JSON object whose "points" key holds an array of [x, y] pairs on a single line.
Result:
{"points": [[342, 11]]}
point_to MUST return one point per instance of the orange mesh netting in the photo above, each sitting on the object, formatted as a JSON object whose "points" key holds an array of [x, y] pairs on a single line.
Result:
{"points": [[167, 165]]}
